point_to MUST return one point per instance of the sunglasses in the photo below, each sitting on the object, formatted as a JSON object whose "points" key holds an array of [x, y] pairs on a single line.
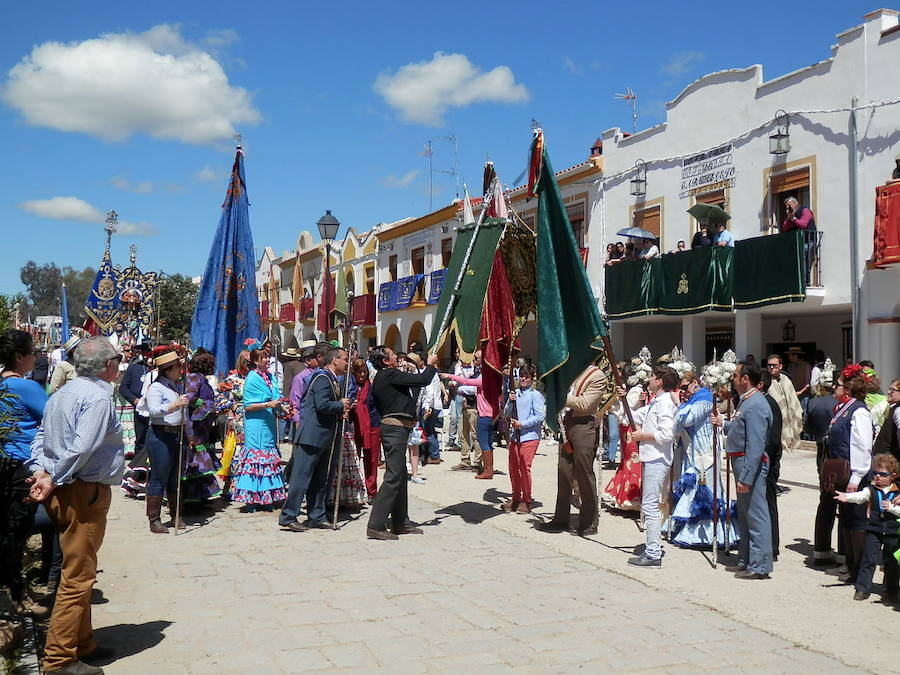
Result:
{"points": [[882, 474], [684, 387], [891, 390]]}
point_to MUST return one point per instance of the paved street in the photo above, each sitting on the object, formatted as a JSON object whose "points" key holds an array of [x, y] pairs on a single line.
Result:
{"points": [[480, 589]]}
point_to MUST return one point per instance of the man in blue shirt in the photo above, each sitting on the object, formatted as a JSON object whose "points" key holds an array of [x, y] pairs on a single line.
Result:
{"points": [[76, 456], [723, 237]]}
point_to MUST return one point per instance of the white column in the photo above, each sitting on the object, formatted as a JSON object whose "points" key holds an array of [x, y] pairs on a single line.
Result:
{"points": [[693, 338], [748, 334]]}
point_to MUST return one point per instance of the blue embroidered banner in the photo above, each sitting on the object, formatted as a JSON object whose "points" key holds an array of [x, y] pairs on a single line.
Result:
{"points": [[437, 285], [407, 290], [102, 303], [384, 296]]}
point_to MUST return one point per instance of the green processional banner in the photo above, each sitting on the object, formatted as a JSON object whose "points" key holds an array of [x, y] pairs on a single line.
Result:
{"points": [[696, 281], [768, 270], [633, 288], [463, 316]]}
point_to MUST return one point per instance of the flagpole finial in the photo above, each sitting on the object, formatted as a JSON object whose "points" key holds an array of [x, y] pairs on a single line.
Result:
{"points": [[238, 142], [112, 219], [132, 250]]}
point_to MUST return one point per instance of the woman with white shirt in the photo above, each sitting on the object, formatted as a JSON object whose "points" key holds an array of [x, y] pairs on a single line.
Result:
{"points": [[165, 437], [849, 448]]}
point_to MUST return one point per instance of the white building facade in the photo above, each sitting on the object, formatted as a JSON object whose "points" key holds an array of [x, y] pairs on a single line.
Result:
{"points": [[714, 148]]}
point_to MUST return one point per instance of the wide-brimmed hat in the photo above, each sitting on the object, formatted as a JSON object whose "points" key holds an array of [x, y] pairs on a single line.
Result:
{"points": [[71, 343], [307, 343], [291, 353], [165, 360], [795, 350]]}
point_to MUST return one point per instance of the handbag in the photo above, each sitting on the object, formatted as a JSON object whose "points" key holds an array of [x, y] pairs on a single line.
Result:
{"points": [[228, 447], [834, 475]]}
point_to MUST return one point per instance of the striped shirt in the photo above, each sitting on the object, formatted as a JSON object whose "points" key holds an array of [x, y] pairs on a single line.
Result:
{"points": [[80, 437]]}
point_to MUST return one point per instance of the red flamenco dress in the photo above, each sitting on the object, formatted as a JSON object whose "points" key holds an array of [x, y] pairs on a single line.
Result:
{"points": [[624, 490]]}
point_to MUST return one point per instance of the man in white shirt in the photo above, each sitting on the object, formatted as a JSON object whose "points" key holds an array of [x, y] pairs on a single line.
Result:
{"points": [[432, 407], [649, 250], [654, 433]]}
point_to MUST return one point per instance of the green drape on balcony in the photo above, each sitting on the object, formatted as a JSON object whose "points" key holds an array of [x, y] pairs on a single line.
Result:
{"points": [[768, 270], [632, 288], [696, 281]]}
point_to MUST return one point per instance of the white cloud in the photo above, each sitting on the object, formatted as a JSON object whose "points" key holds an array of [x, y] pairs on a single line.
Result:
{"points": [[571, 65], [423, 92], [78, 210], [120, 84], [400, 181], [681, 62], [223, 37], [145, 187], [208, 174]]}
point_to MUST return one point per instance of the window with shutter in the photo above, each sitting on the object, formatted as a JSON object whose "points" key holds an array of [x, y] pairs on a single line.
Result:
{"points": [[789, 184], [649, 219]]}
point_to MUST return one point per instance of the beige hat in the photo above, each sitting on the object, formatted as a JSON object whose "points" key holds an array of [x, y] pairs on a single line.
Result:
{"points": [[415, 358], [308, 343], [71, 343], [291, 352], [795, 350], [165, 360]]}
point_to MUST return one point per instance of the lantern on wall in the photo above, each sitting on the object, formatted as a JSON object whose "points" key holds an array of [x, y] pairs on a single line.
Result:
{"points": [[788, 331], [639, 182], [780, 141]]}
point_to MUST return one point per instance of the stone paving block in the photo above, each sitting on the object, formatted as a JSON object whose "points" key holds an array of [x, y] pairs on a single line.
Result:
{"points": [[300, 661]]}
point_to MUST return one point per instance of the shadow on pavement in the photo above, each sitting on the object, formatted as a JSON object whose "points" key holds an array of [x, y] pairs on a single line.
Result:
{"points": [[472, 512], [127, 639]]}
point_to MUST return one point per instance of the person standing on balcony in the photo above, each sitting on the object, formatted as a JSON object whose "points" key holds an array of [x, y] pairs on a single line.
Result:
{"points": [[723, 237], [649, 250], [801, 218], [783, 393], [701, 238]]}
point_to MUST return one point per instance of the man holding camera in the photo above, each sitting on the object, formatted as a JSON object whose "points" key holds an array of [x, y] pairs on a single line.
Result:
{"points": [[801, 218]]}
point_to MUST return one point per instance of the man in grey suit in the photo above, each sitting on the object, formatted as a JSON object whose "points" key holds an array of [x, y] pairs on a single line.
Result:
{"points": [[747, 435], [315, 441]]}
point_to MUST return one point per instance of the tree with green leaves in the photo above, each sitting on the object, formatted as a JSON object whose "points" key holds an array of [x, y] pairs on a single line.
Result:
{"points": [[44, 286], [177, 296]]}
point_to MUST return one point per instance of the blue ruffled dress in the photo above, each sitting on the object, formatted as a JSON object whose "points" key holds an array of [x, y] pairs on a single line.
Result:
{"points": [[692, 525], [258, 478]]}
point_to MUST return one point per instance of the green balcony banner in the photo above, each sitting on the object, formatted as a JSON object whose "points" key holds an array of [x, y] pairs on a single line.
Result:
{"points": [[632, 288], [696, 281], [769, 270]]}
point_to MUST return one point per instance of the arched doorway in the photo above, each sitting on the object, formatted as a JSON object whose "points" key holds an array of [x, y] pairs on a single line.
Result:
{"points": [[417, 334], [393, 339]]}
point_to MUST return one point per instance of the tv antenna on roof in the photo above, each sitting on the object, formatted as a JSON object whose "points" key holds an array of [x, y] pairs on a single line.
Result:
{"points": [[629, 95], [428, 153]]}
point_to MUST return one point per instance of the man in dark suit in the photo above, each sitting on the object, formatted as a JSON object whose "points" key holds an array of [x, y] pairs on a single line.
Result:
{"points": [[315, 443], [41, 368], [130, 387], [774, 450]]}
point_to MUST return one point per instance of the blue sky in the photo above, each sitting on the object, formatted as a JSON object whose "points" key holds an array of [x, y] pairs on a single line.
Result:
{"points": [[131, 106]]}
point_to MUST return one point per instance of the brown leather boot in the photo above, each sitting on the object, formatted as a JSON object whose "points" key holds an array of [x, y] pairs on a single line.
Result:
{"points": [[487, 458], [173, 500], [154, 507]]}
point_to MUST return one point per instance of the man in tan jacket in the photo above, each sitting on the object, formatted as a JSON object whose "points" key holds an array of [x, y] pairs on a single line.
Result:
{"points": [[590, 395]]}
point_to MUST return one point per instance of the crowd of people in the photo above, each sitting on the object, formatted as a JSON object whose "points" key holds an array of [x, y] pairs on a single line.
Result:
{"points": [[160, 424]]}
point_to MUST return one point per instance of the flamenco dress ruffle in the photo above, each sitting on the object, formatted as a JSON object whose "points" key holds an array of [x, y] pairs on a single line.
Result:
{"points": [[623, 492], [692, 523], [353, 486], [258, 478]]}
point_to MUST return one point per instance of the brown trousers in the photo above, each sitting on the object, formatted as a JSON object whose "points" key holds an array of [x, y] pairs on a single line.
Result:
{"points": [[578, 466], [79, 510]]}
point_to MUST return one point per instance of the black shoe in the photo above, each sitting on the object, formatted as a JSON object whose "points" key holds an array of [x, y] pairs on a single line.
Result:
{"points": [[408, 528], [860, 595], [750, 576], [295, 526], [381, 535], [552, 526], [644, 561], [321, 525]]}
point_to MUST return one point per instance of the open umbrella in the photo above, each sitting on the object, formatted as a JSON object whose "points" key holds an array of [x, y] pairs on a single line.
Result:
{"points": [[636, 233], [709, 213]]}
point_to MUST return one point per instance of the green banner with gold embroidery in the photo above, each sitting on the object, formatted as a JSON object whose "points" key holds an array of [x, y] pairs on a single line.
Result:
{"points": [[633, 288], [769, 270], [696, 281]]}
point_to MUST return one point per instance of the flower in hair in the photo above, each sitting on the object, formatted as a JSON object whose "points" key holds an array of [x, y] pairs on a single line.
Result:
{"points": [[851, 371]]}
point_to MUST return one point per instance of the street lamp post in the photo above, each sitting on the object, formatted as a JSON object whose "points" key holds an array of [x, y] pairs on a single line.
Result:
{"points": [[328, 228]]}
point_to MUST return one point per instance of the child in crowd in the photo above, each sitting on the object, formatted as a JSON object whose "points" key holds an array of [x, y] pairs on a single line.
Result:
{"points": [[881, 530]]}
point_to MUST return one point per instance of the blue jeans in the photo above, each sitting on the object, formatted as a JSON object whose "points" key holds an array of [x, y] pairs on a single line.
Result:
{"points": [[162, 447], [453, 416], [308, 479], [484, 431], [429, 426], [653, 479], [612, 446]]}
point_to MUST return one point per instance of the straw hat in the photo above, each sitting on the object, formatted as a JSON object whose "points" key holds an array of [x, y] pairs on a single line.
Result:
{"points": [[291, 352], [165, 360], [71, 343], [308, 343]]}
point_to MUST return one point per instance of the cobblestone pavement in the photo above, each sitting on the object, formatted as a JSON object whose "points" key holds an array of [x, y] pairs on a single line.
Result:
{"points": [[480, 589]]}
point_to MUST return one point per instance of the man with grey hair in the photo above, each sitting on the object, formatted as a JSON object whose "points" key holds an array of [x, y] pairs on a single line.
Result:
{"points": [[76, 456]]}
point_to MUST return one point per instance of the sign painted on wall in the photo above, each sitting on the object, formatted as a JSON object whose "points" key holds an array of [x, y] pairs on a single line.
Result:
{"points": [[713, 169]]}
